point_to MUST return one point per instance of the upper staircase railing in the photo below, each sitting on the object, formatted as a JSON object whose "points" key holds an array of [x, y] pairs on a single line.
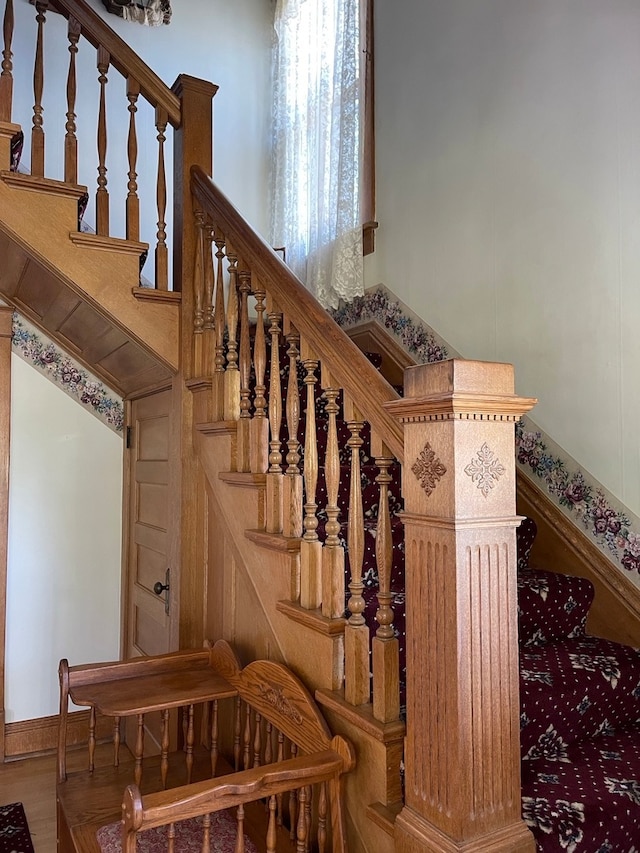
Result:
{"points": [[111, 53]]}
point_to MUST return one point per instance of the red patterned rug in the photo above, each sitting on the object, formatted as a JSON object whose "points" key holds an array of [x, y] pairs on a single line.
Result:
{"points": [[14, 830], [188, 837]]}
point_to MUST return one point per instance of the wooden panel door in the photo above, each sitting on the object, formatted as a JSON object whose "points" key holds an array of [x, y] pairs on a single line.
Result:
{"points": [[151, 616]]}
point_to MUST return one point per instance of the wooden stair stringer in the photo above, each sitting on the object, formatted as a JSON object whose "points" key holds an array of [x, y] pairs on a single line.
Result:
{"points": [[39, 224], [316, 655], [272, 573]]}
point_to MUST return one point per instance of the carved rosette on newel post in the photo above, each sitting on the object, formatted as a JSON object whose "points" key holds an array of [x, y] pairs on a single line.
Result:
{"points": [[462, 757]]}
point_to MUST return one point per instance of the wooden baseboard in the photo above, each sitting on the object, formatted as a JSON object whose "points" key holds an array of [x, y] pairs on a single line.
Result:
{"points": [[27, 737], [560, 546]]}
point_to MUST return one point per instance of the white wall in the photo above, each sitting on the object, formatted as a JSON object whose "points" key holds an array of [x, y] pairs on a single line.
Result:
{"points": [[226, 43], [508, 167], [65, 499]]}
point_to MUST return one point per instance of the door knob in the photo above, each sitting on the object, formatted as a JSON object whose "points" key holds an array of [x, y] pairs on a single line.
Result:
{"points": [[160, 587]]}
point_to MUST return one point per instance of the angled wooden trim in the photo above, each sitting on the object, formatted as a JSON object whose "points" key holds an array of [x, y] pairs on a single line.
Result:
{"points": [[243, 480], [20, 180], [361, 716], [274, 541], [149, 294], [561, 546], [108, 244], [311, 618]]}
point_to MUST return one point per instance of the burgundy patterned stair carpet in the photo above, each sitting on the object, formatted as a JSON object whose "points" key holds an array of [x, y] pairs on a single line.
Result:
{"points": [[580, 720], [14, 830]]}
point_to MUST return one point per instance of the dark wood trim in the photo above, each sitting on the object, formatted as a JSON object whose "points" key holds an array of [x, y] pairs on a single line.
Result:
{"points": [[28, 737], [6, 315]]}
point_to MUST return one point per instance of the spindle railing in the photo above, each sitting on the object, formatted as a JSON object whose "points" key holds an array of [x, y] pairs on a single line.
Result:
{"points": [[323, 373], [112, 53]]}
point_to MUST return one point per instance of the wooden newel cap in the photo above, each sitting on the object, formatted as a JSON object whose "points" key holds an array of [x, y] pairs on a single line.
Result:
{"points": [[460, 388]]}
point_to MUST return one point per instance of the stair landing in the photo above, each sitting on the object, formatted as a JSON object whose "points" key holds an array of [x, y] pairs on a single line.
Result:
{"points": [[81, 289]]}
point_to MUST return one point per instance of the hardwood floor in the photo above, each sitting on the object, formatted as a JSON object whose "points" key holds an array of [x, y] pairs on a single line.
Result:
{"points": [[32, 781]]}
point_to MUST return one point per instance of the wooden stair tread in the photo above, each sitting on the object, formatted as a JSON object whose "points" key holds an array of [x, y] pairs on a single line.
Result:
{"points": [[274, 541], [312, 618], [34, 183], [244, 480], [107, 244]]}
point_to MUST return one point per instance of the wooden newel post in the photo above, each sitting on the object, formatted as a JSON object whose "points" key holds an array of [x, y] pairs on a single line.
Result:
{"points": [[193, 145], [462, 751]]}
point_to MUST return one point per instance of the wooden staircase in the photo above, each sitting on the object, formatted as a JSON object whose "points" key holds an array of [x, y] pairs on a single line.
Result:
{"points": [[249, 564]]}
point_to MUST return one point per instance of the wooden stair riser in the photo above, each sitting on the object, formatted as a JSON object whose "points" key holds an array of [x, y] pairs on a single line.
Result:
{"points": [[317, 658]]}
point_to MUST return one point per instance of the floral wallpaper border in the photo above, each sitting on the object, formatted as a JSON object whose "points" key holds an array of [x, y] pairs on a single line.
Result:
{"points": [[611, 526], [35, 348]]}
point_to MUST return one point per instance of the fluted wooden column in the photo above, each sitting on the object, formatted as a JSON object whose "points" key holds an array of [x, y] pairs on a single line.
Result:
{"points": [[462, 760], [5, 412]]}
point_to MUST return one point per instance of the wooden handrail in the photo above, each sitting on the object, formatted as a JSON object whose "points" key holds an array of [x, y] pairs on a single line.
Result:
{"points": [[345, 362], [122, 57]]}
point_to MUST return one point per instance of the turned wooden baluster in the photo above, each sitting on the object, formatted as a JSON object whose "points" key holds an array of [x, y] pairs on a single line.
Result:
{"points": [[162, 257], [198, 293], [280, 758], [219, 324], [322, 818], [239, 848], [214, 737], [259, 423], [268, 745], [356, 638], [237, 730], [6, 77], [190, 741], [37, 133], [292, 484], [257, 740], [70, 140], [139, 750], [274, 474], [206, 833], [307, 818], [133, 202], [171, 838], [386, 666], [102, 194], [244, 424], [207, 334], [301, 834], [293, 802], [272, 826], [247, 738], [310, 547], [116, 741], [333, 551], [92, 738], [164, 747], [232, 374]]}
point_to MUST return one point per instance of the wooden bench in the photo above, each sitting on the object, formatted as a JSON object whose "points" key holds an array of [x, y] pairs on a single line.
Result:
{"points": [[263, 750]]}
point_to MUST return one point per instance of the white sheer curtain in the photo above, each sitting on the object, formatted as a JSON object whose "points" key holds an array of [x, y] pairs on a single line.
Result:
{"points": [[317, 160]]}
